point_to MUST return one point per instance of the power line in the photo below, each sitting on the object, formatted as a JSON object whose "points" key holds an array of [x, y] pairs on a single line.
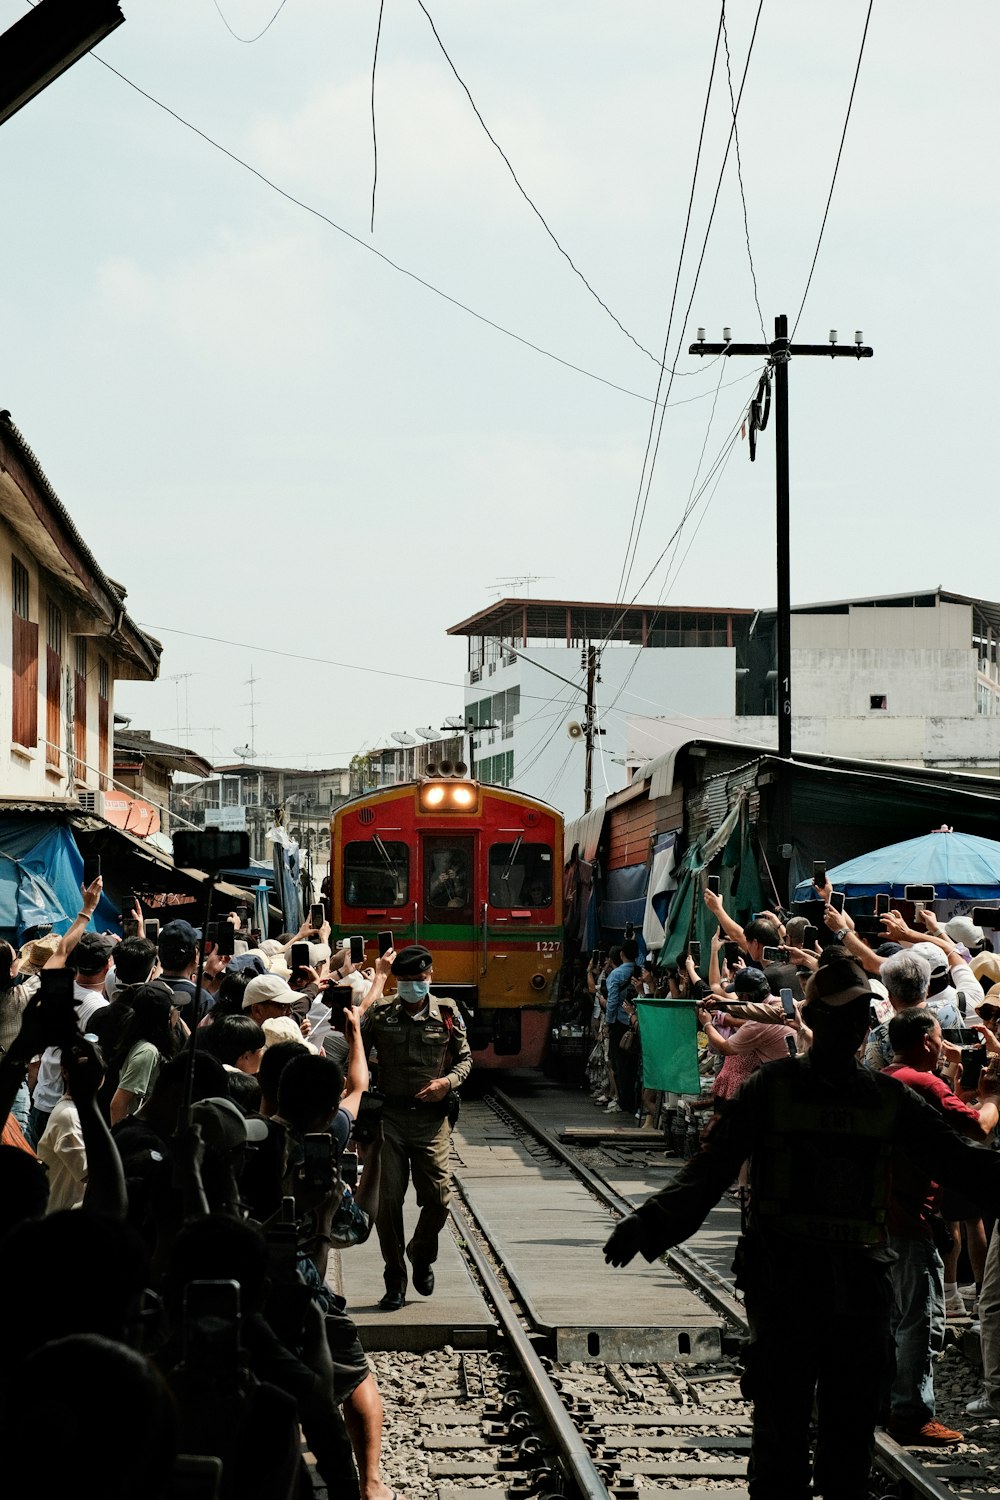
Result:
{"points": [[694, 288], [622, 583], [716, 471], [378, 33], [373, 250], [739, 174], [323, 661], [524, 193], [248, 39], [836, 169]]}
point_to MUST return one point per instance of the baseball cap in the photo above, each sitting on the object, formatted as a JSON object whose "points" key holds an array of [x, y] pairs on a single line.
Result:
{"points": [[963, 930], [934, 955], [837, 982], [268, 989], [224, 1127], [178, 942], [751, 983]]}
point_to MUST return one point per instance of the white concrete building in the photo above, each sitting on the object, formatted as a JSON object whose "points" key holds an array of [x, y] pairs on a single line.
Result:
{"points": [[69, 639], [911, 678], [527, 678]]}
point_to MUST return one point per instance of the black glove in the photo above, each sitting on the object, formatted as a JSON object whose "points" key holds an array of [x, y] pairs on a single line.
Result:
{"points": [[625, 1241]]}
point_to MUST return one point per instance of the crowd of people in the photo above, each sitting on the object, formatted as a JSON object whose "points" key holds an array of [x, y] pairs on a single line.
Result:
{"points": [[187, 1135], [873, 1192]]}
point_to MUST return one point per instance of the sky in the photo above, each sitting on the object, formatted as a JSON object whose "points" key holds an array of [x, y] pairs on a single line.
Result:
{"points": [[275, 439]]}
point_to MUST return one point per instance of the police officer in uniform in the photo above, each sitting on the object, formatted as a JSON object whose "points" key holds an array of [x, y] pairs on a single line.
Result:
{"points": [[423, 1057], [819, 1130]]}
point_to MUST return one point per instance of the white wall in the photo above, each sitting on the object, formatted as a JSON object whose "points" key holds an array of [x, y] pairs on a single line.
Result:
{"points": [[547, 763], [921, 659], [971, 744]]}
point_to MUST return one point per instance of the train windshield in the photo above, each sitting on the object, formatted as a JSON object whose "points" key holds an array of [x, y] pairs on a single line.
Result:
{"points": [[376, 873], [448, 878], [520, 875]]}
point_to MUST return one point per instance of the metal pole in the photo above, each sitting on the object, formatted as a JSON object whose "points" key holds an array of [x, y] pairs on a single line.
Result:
{"points": [[783, 551], [588, 725]]}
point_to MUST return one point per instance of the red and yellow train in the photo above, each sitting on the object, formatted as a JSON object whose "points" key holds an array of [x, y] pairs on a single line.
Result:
{"points": [[474, 873]]}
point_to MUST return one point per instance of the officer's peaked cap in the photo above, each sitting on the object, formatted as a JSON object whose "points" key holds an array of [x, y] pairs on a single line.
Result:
{"points": [[412, 961]]}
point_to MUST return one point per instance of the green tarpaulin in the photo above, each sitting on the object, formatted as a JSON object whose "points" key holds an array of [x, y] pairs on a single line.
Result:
{"points": [[742, 893], [669, 1031]]}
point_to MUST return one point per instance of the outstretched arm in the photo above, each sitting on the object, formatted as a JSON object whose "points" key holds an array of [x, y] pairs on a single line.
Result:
{"points": [[676, 1211], [70, 938]]}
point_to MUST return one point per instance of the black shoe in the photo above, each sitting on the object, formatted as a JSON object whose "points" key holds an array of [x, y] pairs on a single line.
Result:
{"points": [[393, 1301], [423, 1280]]}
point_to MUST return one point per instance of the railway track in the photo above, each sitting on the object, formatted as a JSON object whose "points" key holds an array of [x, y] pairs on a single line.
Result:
{"points": [[677, 1429]]}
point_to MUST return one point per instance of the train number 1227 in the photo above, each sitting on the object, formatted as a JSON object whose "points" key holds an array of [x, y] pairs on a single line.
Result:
{"points": [[549, 949]]}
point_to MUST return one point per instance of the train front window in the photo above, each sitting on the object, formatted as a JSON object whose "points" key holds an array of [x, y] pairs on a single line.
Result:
{"points": [[520, 875], [376, 873], [448, 878]]}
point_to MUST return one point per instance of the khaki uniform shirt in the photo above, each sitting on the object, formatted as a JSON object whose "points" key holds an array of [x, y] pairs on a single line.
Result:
{"points": [[413, 1052]]}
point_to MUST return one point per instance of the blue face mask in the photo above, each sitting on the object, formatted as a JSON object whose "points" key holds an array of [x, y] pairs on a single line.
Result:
{"points": [[413, 990]]}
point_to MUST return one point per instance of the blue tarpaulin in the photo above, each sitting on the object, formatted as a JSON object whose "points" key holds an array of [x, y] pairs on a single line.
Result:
{"points": [[41, 869], [624, 897], [957, 865]]}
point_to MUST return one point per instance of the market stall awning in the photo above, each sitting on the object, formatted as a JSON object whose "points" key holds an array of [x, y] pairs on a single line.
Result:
{"points": [[962, 866]]}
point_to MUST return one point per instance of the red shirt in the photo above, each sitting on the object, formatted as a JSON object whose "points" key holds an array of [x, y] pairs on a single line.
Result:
{"points": [[914, 1194]]}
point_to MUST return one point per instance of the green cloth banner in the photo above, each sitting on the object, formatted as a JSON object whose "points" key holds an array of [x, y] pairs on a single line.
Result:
{"points": [[669, 1032]]}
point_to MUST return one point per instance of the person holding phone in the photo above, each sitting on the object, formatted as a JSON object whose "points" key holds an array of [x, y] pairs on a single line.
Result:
{"points": [[918, 1271], [750, 1045], [423, 1058], [619, 1023]]}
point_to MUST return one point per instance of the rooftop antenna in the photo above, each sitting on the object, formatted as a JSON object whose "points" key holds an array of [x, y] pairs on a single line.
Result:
{"points": [[252, 705], [522, 581], [177, 678]]}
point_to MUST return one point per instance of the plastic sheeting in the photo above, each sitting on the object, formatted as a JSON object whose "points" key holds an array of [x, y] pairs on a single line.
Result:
{"points": [[41, 870], [624, 897], [662, 884]]}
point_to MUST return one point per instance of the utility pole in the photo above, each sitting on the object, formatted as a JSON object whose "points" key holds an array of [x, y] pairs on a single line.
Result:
{"points": [[778, 355], [591, 661]]}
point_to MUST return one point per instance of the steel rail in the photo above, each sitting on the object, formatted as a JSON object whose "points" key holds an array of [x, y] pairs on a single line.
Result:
{"points": [[682, 1261], [894, 1460], [568, 1440]]}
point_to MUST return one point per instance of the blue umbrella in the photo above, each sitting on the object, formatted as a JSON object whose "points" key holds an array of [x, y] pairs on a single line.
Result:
{"points": [[958, 865]]}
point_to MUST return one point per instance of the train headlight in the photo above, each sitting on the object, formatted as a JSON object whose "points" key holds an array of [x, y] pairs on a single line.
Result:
{"points": [[462, 796], [431, 796]]}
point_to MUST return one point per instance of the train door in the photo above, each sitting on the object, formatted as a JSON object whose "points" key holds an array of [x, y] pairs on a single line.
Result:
{"points": [[449, 898]]}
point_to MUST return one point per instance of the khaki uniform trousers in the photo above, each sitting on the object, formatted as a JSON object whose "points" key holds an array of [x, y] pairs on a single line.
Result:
{"points": [[415, 1142]]}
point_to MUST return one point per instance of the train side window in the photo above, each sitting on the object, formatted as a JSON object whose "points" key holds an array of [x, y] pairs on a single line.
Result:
{"points": [[376, 873], [520, 875]]}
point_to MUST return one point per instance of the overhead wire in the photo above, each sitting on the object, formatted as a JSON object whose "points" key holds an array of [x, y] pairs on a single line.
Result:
{"points": [[687, 312], [394, 265], [623, 583], [321, 661], [739, 174], [695, 495], [248, 39], [836, 168], [526, 195], [378, 33]]}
